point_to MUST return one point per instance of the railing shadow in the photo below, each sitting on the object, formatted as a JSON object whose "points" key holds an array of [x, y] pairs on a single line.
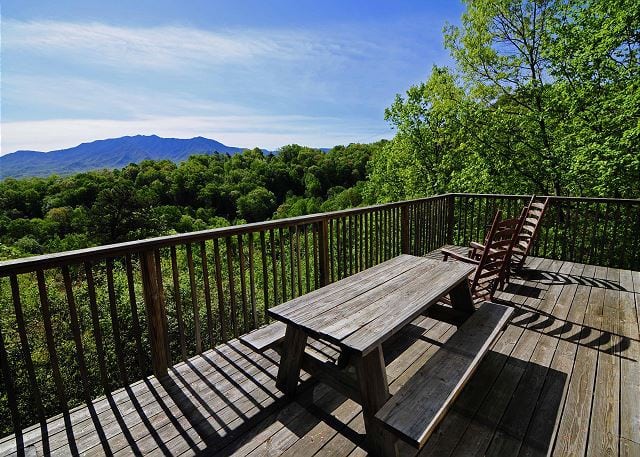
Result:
{"points": [[580, 334], [553, 278], [525, 390]]}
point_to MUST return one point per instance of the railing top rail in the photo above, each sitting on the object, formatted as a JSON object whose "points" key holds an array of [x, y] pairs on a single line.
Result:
{"points": [[45, 261], [553, 197]]}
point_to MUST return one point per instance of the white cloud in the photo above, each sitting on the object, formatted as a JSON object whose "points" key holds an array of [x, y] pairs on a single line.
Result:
{"points": [[268, 132], [169, 47], [83, 96]]}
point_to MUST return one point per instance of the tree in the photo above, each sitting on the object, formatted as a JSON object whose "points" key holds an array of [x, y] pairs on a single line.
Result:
{"points": [[544, 98], [257, 205], [119, 214]]}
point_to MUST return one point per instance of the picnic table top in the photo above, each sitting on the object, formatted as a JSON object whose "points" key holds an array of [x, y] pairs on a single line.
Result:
{"points": [[362, 311]]}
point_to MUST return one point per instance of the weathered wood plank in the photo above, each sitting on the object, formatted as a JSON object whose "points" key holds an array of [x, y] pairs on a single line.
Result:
{"points": [[415, 411], [265, 337], [573, 429], [335, 293], [415, 299]]}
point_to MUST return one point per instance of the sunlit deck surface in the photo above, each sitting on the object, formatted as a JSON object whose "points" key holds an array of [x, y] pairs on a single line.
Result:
{"points": [[563, 376]]}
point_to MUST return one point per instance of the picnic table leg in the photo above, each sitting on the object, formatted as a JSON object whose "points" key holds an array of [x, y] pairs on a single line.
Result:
{"points": [[292, 353], [374, 392], [461, 299]]}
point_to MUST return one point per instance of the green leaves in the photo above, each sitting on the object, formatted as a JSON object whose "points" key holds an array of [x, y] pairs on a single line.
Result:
{"points": [[544, 98]]}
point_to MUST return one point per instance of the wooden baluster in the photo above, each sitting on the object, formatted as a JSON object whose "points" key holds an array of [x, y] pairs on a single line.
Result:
{"points": [[194, 300], [351, 244], [479, 220], [429, 227], [252, 283], [379, 237], [316, 258], [418, 228], [292, 277], [459, 226], [220, 290], [392, 237], [306, 258], [323, 253], [165, 321], [361, 242], [331, 251], [265, 275], [51, 346], [583, 234], [616, 235], [338, 251], [232, 287], [178, 301], [115, 324], [298, 260], [207, 293], [385, 233], [97, 331], [135, 321], [345, 244], [283, 267], [404, 226], [463, 211], [557, 228], [626, 236], [274, 266], [603, 240], [438, 218], [75, 330], [243, 285], [366, 239]]}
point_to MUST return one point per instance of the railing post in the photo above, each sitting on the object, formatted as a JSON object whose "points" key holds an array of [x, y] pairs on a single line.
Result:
{"points": [[323, 252], [154, 303], [451, 204], [404, 228]]}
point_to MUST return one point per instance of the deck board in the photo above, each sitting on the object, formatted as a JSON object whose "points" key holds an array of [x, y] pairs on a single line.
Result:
{"points": [[563, 377]]}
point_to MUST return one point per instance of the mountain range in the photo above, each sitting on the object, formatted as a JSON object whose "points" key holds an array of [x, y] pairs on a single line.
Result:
{"points": [[110, 153]]}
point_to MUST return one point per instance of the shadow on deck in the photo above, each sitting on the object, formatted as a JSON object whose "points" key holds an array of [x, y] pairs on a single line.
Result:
{"points": [[563, 376]]}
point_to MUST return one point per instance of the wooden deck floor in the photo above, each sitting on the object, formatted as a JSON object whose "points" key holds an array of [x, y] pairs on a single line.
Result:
{"points": [[565, 376]]}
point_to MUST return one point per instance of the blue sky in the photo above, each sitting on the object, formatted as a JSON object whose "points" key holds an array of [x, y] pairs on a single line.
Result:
{"points": [[247, 73]]}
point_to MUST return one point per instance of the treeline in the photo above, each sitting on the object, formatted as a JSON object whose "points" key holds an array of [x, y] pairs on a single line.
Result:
{"points": [[40, 215]]}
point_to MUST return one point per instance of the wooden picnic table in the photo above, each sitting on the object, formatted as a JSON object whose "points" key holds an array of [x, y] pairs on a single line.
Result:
{"points": [[358, 314]]}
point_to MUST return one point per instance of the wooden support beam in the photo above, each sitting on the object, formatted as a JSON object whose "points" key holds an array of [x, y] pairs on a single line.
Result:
{"points": [[374, 392], [293, 346], [154, 303]]}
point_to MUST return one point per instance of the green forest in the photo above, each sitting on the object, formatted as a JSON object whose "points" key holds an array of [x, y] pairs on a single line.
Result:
{"points": [[543, 97], [41, 215]]}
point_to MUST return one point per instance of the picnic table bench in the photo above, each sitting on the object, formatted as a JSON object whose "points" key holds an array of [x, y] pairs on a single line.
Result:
{"points": [[357, 315]]}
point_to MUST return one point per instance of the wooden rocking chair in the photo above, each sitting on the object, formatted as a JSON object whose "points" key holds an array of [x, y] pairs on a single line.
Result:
{"points": [[529, 231], [493, 259]]}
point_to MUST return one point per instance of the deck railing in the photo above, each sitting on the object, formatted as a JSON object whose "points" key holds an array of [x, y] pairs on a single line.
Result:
{"points": [[80, 324]]}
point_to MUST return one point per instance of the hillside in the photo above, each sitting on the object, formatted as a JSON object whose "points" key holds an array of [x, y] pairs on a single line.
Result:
{"points": [[110, 153]]}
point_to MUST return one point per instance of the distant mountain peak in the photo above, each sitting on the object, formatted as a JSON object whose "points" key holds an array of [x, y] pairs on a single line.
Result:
{"points": [[107, 153]]}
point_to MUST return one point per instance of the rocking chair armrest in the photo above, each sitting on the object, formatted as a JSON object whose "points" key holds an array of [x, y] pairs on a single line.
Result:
{"points": [[476, 245], [454, 255]]}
